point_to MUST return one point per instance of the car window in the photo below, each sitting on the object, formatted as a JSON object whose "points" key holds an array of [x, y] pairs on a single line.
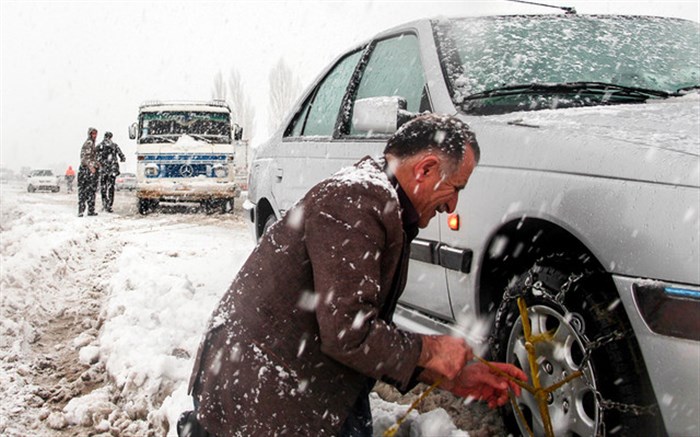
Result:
{"points": [[319, 114], [395, 69], [298, 123]]}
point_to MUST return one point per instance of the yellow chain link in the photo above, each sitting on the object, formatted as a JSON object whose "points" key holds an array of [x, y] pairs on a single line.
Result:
{"points": [[391, 431], [540, 393]]}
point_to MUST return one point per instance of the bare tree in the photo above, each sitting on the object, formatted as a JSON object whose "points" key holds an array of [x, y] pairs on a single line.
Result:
{"points": [[242, 110], [219, 90], [285, 88]]}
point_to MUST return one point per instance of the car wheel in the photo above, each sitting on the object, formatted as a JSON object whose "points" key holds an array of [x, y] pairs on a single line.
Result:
{"points": [[269, 221], [31, 189], [590, 333]]}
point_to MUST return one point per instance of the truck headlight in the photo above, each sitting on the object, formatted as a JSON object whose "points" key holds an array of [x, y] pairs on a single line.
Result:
{"points": [[151, 170], [220, 171]]}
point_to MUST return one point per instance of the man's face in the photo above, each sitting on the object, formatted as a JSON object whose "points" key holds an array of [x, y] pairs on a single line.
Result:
{"points": [[437, 188], [93, 135]]}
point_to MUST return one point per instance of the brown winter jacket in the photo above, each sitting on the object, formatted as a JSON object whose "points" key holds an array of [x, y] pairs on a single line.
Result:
{"points": [[299, 331]]}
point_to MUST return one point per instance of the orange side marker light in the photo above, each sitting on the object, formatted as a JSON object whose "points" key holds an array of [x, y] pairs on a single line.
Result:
{"points": [[453, 221]]}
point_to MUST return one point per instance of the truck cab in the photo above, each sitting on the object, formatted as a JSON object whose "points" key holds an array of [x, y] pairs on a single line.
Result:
{"points": [[185, 153]]}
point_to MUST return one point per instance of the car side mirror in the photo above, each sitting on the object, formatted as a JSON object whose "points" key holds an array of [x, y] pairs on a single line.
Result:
{"points": [[132, 131], [380, 115], [237, 132]]}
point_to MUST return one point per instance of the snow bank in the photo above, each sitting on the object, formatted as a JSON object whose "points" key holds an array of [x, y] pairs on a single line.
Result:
{"points": [[161, 297]]}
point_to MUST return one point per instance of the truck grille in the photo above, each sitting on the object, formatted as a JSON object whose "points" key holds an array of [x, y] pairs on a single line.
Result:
{"points": [[185, 170]]}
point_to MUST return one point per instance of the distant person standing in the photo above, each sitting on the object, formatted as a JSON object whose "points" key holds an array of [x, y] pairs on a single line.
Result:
{"points": [[70, 177], [107, 153], [87, 174]]}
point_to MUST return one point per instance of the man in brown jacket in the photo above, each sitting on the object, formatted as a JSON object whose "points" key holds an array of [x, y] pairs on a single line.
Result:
{"points": [[305, 329]]}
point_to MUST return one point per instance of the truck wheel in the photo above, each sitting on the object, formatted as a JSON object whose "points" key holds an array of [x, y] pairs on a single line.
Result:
{"points": [[145, 206], [578, 305], [209, 205]]}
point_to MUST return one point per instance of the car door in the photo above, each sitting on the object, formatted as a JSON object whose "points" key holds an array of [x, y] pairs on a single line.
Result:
{"points": [[303, 157], [393, 66]]}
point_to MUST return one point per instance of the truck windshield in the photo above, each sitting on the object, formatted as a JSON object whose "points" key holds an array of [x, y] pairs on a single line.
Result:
{"points": [[168, 126], [519, 63]]}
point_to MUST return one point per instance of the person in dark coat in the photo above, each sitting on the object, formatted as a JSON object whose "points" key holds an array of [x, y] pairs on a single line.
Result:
{"points": [[107, 154], [305, 329], [87, 174]]}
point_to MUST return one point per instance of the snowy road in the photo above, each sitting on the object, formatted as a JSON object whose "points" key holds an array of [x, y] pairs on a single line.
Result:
{"points": [[100, 316], [117, 294]]}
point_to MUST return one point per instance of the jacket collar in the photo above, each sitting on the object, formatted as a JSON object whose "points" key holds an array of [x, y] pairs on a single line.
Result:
{"points": [[409, 215]]}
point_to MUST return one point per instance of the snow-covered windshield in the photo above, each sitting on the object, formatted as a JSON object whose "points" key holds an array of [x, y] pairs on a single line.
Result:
{"points": [[523, 57], [168, 126]]}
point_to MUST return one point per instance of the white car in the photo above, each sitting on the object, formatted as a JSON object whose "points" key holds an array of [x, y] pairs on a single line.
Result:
{"points": [[125, 181], [583, 209], [42, 179]]}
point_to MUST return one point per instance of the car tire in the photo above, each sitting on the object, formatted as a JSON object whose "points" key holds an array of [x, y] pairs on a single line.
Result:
{"points": [[31, 189], [579, 304], [269, 221]]}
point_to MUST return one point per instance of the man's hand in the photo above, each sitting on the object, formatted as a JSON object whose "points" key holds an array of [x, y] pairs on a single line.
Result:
{"points": [[479, 382], [444, 355]]}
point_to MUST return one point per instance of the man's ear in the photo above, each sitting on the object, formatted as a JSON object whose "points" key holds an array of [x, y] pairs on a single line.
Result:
{"points": [[425, 167]]}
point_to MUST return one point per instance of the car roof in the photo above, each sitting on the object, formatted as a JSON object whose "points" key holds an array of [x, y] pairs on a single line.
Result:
{"points": [[564, 16]]}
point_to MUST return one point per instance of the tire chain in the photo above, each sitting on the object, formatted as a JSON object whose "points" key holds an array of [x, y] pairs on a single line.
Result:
{"points": [[532, 283], [637, 410]]}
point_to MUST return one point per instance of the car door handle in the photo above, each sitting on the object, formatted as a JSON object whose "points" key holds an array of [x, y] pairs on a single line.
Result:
{"points": [[279, 173]]}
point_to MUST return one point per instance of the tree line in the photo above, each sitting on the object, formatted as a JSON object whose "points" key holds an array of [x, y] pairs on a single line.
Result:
{"points": [[284, 89]]}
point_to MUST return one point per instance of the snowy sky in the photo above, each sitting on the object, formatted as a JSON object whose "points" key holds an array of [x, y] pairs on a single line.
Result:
{"points": [[66, 66]]}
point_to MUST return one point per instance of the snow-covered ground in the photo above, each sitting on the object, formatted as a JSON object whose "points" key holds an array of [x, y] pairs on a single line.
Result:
{"points": [[100, 316]]}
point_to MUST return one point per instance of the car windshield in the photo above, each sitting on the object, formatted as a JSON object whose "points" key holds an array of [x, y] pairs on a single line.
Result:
{"points": [[168, 126], [515, 63], [42, 173]]}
